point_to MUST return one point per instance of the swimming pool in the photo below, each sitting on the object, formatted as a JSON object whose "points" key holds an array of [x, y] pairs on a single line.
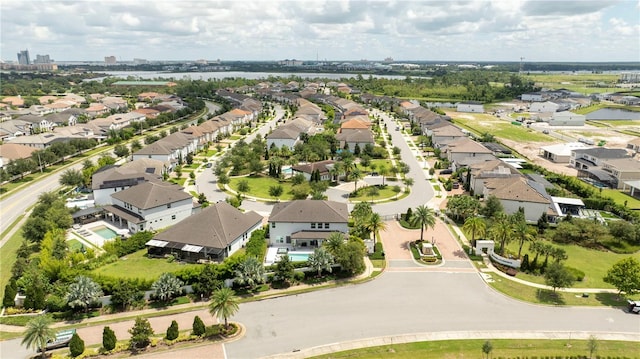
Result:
{"points": [[104, 232], [287, 170], [299, 256]]}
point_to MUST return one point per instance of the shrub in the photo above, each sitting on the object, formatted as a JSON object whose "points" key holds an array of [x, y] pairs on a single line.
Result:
{"points": [[298, 276], [108, 339], [76, 345], [213, 330], [198, 326], [576, 273], [172, 331]]}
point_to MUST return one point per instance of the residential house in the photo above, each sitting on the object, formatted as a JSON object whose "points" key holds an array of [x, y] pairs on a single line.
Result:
{"points": [[111, 179], [532, 97], [37, 123], [584, 159], [561, 153], [283, 136], [16, 101], [481, 171], [519, 192], [62, 119], [169, 150], [11, 152], [622, 170], [40, 110], [96, 109], [59, 106], [214, 234], [445, 134], [350, 138], [149, 206], [306, 223], [465, 152], [14, 128], [323, 167], [114, 103], [546, 106], [470, 106], [634, 145]]}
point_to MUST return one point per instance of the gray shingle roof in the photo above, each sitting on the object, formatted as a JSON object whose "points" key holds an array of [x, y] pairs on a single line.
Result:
{"points": [[152, 194], [215, 227], [310, 211]]}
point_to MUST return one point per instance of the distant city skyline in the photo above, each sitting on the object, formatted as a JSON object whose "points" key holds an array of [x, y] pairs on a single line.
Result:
{"points": [[480, 30]]}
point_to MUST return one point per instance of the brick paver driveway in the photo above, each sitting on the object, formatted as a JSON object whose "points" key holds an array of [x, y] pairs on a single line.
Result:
{"points": [[395, 240]]}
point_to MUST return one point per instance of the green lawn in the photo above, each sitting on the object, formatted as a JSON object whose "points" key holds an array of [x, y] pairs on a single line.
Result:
{"points": [[74, 244], [8, 257], [137, 265], [593, 263], [500, 129], [502, 348], [378, 163], [384, 193], [622, 198], [259, 186]]}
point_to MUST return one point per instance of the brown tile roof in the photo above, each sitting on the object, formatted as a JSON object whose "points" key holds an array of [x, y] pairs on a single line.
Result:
{"points": [[465, 145], [152, 194], [12, 151], [355, 124], [514, 189], [215, 227], [284, 132], [310, 211], [360, 136]]}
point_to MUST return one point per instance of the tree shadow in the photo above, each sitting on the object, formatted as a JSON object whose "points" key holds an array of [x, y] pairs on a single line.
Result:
{"points": [[547, 296], [611, 300]]}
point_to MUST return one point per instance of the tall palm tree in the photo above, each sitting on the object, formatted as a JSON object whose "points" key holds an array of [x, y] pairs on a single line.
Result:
{"points": [[375, 224], [356, 175], [502, 231], [383, 171], [38, 333], [224, 304], [475, 225], [424, 217], [523, 233], [348, 166]]}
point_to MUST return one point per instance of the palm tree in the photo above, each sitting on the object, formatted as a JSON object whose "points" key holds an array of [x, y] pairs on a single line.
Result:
{"points": [[347, 167], [38, 333], [167, 287], [83, 292], [424, 217], [321, 260], [523, 233], [408, 181], [334, 242], [375, 224], [356, 175], [475, 225], [383, 171], [224, 304], [502, 231], [250, 272]]}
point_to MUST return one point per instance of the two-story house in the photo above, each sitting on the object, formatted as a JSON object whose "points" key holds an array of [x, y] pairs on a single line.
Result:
{"points": [[150, 206], [111, 179], [306, 223], [465, 152]]}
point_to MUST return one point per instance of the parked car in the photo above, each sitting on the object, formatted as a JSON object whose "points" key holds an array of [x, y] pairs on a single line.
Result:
{"points": [[447, 171], [208, 165], [633, 306], [456, 185], [62, 339]]}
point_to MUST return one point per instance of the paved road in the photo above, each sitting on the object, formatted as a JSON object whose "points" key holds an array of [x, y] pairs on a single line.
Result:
{"points": [[405, 302]]}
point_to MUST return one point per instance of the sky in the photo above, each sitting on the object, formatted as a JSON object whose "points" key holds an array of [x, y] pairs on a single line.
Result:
{"points": [[254, 30]]}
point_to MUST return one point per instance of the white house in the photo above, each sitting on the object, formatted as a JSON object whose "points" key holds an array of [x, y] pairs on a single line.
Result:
{"points": [[546, 106], [464, 152], [283, 136], [566, 118], [111, 179], [169, 149], [213, 234], [519, 192], [306, 223], [323, 167], [150, 206], [470, 106], [532, 97]]}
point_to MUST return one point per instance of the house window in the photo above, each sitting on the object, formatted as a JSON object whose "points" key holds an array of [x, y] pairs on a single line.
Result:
{"points": [[168, 205], [273, 224], [326, 225], [173, 216], [142, 227], [313, 225]]}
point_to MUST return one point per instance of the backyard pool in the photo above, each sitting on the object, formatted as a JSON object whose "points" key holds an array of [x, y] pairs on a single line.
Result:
{"points": [[299, 256], [104, 232]]}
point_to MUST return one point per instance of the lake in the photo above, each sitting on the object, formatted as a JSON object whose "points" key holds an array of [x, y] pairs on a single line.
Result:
{"points": [[613, 114], [149, 75]]}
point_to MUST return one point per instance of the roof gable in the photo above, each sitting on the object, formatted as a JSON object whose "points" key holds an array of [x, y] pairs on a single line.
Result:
{"points": [[310, 211]]}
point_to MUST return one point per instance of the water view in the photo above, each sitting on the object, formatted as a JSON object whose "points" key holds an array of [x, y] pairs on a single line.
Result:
{"points": [[613, 114]]}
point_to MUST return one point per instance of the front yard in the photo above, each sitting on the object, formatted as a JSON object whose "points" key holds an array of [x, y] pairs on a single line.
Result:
{"points": [[259, 186]]}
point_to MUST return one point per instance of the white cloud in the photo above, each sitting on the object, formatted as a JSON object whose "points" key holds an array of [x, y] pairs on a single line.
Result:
{"points": [[336, 29]]}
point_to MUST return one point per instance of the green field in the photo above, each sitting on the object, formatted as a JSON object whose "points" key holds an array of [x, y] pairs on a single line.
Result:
{"points": [[622, 198], [259, 186], [502, 348], [8, 257], [384, 193], [137, 265], [593, 263], [582, 83], [482, 123]]}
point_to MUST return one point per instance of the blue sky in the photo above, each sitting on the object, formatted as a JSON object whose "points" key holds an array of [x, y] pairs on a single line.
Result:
{"points": [[482, 30]]}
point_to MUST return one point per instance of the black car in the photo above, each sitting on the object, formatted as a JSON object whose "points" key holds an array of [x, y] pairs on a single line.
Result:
{"points": [[447, 171]]}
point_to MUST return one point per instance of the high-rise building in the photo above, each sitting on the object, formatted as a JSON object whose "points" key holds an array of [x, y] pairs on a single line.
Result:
{"points": [[110, 60], [23, 57], [42, 59]]}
